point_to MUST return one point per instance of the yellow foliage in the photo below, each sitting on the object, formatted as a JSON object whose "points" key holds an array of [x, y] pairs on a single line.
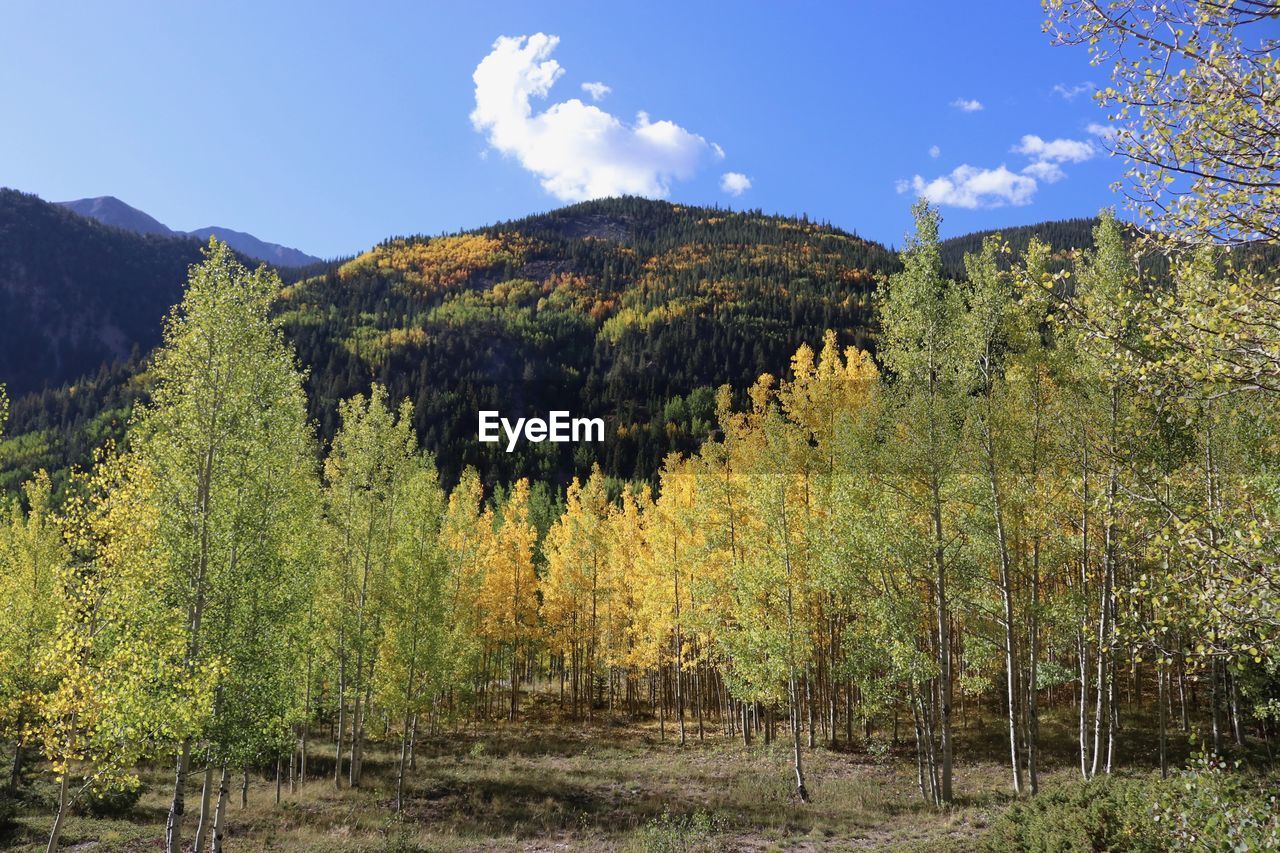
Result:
{"points": [[440, 262]]}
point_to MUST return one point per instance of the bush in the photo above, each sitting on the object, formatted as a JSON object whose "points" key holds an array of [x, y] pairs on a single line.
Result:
{"points": [[1208, 806], [8, 813], [109, 801], [668, 833], [1216, 807], [1105, 813]]}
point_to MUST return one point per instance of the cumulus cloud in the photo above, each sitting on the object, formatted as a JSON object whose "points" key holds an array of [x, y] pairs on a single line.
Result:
{"points": [[934, 151], [971, 187], [1104, 132], [967, 105], [1055, 150], [1070, 93], [577, 150], [1043, 170], [597, 91], [735, 183]]}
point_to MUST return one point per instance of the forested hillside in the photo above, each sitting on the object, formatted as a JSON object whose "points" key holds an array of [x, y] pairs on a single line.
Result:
{"points": [[75, 294], [1010, 520], [627, 309]]}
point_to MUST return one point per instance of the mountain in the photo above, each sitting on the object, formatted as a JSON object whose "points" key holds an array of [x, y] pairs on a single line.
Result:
{"points": [[247, 244], [1062, 235], [626, 309], [75, 294], [110, 210]]}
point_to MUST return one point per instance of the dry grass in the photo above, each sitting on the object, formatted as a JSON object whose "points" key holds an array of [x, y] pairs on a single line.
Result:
{"points": [[607, 786]]}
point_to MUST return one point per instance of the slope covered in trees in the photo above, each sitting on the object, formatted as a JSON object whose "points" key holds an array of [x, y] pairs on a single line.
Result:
{"points": [[627, 309], [988, 515], [75, 294]]}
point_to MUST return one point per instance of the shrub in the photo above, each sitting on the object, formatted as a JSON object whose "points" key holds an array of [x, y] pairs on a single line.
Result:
{"points": [[691, 833], [109, 801], [1216, 807], [1105, 813], [1209, 806]]}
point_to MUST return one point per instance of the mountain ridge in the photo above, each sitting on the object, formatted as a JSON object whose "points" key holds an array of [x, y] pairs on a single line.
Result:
{"points": [[111, 211]]}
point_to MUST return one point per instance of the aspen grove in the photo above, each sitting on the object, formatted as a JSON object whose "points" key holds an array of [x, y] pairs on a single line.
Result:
{"points": [[1027, 501]]}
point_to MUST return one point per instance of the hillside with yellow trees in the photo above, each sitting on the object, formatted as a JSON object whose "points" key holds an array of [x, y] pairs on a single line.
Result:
{"points": [[982, 548]]}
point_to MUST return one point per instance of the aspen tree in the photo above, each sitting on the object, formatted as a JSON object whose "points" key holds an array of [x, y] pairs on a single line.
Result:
{"points": [[573, 592], [32, 554], [467, 539], [511, 587], [922, 347], [625, 643], [367, 473], [229, 457], [413, 644], [121, 683], [989, 320]]}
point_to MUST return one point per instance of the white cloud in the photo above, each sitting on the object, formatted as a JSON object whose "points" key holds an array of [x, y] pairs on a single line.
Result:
{"points": [[1102, 131], [971, 187], [597, 91], [1042, 170], [735, 183], [577, 150], [934, 151], [1070, 93], [1056, 150], [967, 105]]}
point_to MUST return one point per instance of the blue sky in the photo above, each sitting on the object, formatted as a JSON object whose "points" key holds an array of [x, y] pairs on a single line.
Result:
{"points": [[330, 126]]}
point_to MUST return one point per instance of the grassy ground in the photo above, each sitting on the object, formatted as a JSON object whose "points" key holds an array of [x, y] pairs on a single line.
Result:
{"points": [[607, 786]]}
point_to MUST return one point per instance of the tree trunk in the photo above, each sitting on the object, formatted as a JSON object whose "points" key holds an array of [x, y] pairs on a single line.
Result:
{"points": [[206, 817], [220, 818], [342, 712], [944, 643], [801, 790], [15, 775], [1006, 599], [1033, 674], [173, 825], [1162, 680], [1106, 677], [55, 835], [357, 724], [406, 734]]}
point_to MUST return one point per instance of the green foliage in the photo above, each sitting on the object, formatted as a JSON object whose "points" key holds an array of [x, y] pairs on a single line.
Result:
{"points": [[1105, 813], [696, 832], [1215, 806], [1193, 109], [1209, 806], [104, 802]]}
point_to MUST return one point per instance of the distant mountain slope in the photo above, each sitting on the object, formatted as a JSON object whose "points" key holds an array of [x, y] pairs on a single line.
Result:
{"points": [[75, 294], [1062, 235], [247, 244], [110, 210], [626, 309]]}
